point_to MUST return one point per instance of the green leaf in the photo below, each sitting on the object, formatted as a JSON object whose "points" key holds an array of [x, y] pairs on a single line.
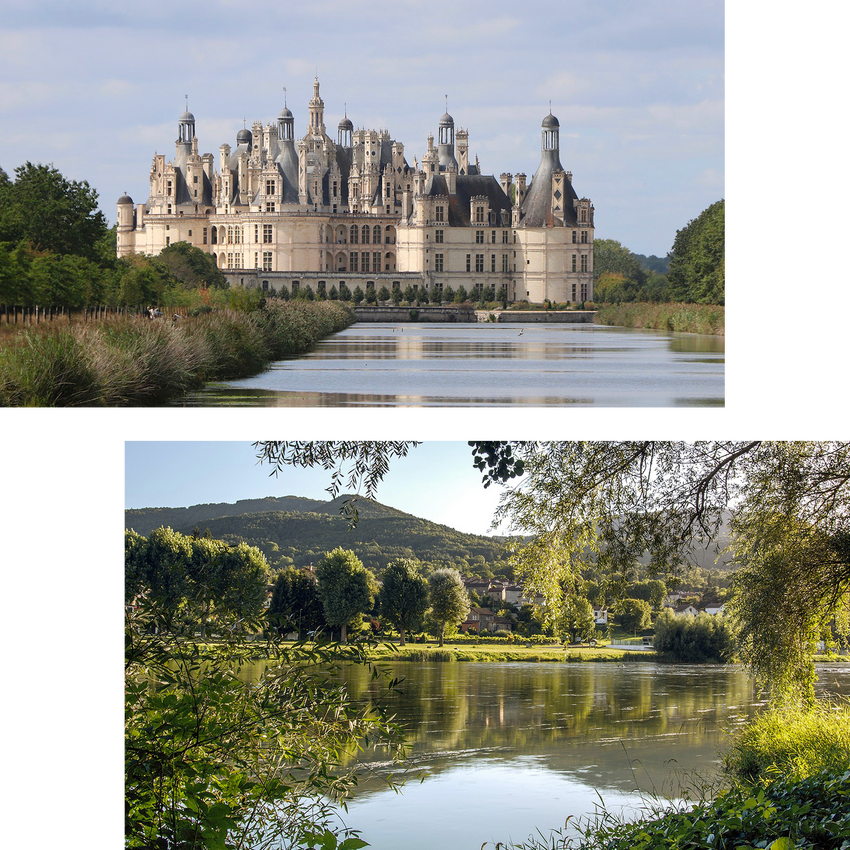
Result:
{"points": [[782, 844], [353, 843]]}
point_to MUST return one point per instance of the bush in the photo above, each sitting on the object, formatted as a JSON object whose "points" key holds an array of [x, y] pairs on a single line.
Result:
{"points": [[794, 743], [787, 814], [694, 640]]}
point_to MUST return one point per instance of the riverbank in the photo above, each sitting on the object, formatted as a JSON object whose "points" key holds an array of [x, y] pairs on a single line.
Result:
{"points": [[484, 652], [688, 318], [139, 361]]}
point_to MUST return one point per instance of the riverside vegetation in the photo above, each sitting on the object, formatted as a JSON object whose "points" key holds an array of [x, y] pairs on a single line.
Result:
{"points": [[138, 361]]}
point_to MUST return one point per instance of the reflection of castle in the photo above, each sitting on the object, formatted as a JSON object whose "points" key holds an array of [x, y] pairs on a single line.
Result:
{"points": [[286, 213]]}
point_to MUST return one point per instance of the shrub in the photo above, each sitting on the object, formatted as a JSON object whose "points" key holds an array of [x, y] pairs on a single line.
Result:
{"points": [[793, 743], [694, 640], [787, 814]]}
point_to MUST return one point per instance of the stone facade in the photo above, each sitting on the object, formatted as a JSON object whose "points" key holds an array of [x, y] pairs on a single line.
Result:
{"points": [[279, 210]]}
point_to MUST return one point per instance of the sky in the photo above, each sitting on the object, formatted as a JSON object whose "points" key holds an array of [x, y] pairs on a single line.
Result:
{"points": [[96, 88], [435, 481]]}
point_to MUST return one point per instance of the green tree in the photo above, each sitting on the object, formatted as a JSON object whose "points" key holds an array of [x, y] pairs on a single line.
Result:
{"points": [[344, 292], [404, 595], [653, 591], [383, 294], [396, 294], [242, 577], [211, 761], [343, 589], [358, 296], [576, 618], [448, 598], [461, 295], [633, 615], [409, 294], [793, 580], [191, 266], [448, 295], [295, 602], [192, 579], [52, 213], [697, 261], [612, 258]]}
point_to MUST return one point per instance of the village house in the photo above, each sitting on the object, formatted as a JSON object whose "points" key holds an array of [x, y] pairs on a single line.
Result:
{"points": [[482, 619]]}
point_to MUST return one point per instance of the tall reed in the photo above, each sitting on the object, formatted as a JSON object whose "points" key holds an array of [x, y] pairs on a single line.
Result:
{"points": [[137, 361], [689, 318]]}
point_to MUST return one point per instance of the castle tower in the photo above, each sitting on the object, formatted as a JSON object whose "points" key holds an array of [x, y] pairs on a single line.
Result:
{"points": [[344, 132], [446, 145], [186, 129], [317, 110]]}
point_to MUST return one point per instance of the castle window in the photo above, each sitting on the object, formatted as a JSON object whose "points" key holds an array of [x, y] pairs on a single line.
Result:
{"points": [[267, 233], [169, 188], [438, 236], [195, 179], [205, 236], [364, 261], [271, 186], [479, 237], [376, 234], [167, 241], [365, 234], [267, 261], [479, 262], [438, 262], [468, 258], [582, 215], [265, 285], [479, 214], [215, 236], [504, 263], [190, 233], [584, 236], [269, 206], [575, 237], [493, 236], [354, 261], [439, 213], [574, 292], [353, 234], [574, 262], [492, 262], [504, 237], [584, 262]]}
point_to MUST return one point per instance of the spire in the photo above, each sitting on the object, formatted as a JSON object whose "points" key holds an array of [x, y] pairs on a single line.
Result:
{"points": [[317, 109]]}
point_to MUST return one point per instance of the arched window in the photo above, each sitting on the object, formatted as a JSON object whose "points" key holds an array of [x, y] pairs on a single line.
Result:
{"points": [[376, 234], [365, 234]]}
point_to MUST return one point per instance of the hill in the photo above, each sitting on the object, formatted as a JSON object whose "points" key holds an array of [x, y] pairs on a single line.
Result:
{"points": [[144, 520], [298, 531]]}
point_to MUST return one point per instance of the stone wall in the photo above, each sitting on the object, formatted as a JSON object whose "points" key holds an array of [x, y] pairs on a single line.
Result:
{"points": [[415, 314], [532, 316]]}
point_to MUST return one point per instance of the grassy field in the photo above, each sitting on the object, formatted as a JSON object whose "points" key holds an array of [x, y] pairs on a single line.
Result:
{"points": [[690, 318], [389, 651]]}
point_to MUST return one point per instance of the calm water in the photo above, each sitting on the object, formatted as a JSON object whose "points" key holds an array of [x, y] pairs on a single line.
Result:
{"points": [[470, 365], [505, 749]]}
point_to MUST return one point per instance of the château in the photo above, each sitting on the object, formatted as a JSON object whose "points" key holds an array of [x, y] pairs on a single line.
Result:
{"points": [[280, 212]]}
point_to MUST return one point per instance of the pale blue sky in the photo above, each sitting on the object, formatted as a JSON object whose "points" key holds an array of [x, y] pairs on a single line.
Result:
{"points": [[436, 480], [96, 88]]}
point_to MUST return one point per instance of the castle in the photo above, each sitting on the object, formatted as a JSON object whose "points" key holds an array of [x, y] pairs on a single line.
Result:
{"points": [[281, 212]]}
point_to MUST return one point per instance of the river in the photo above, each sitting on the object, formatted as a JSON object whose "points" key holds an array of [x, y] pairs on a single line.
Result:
{"points": [[503, 749], [410, 365]]}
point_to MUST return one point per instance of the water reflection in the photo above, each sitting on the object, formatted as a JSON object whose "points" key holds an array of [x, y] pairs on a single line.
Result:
{"points": [[488, 365], [506, 748]]}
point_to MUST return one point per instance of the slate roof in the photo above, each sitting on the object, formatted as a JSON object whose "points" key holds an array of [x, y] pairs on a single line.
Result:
{"points": [[468, 187]]}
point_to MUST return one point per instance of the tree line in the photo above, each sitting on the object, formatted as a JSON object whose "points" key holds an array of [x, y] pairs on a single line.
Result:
{"points": [[58, 250], [693, 271]]}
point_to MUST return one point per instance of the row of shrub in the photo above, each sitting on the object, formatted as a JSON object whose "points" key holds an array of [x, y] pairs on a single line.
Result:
{"points": [[138, 361]]}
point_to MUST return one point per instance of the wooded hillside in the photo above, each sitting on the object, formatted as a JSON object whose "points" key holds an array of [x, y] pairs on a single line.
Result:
{"points": [[294, 531]]}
